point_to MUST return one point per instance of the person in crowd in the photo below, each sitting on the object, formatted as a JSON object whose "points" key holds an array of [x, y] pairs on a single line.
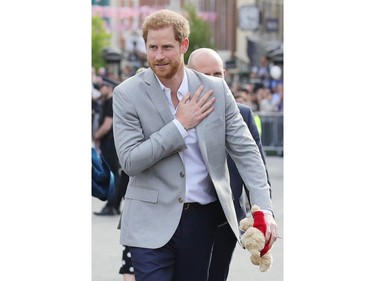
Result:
{"points": [[265, 100], [127, 269], [96, 105], [96, 79], [260, 73], [253, 100], [241, 97], [278, 98], [173, 127], [209, 62], [103, 139], [127, 72]]}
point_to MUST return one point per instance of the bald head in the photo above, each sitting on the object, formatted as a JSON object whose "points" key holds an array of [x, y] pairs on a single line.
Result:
{"points": [[207, 61]]}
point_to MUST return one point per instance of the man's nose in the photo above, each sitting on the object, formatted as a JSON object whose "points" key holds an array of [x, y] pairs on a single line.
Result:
{"points": [[159, 54]]}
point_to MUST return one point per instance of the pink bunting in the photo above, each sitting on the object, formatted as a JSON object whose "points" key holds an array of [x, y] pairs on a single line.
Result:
{"points": [[134, 12]]}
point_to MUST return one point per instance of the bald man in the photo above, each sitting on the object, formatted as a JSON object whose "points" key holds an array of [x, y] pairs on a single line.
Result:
{"points": [[208, 61]]}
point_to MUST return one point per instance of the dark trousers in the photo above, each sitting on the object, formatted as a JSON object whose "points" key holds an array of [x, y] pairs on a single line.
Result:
{"points": [[225, 242], [186, 256]]}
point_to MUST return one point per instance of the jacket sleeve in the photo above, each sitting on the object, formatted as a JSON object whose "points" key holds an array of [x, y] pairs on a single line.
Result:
{"points": [[245, 153], [136, 151], [247, 114]]}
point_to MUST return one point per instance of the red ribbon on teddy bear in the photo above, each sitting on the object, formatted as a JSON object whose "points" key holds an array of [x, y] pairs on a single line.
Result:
{"points": [[260, 223]]}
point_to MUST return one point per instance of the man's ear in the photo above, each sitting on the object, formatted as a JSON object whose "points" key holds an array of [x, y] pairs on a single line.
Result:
{"points": [[185, 45]]}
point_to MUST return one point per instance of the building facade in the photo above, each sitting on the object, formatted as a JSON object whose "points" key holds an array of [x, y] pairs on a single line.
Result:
{"points": [[242, 29]]}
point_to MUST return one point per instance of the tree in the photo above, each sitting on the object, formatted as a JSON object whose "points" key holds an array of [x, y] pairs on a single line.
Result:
{"points": [[200, 32], [100, 40]]}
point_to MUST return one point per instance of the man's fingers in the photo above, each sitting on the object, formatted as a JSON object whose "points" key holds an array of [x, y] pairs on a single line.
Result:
{"points": [[192, 111], [204, 103], [209, 102], [197, 94], [271, 235], [185, 98], [207, 112], [205, 97]]}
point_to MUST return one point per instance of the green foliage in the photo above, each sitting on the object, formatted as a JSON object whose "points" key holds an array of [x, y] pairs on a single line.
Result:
{"points": [[200, 32], [100, 40]]}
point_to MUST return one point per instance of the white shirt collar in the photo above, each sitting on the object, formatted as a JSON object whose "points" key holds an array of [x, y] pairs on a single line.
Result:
{"points": [[182, 90]]}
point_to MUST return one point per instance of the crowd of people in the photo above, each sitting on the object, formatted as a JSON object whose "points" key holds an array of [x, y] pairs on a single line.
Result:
{"points": [[263, 91], [103, 141], [150, 151]]}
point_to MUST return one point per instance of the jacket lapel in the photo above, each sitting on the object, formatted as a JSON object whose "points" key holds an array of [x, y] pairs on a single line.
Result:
{"points": [[157, 96], [194, 84]]}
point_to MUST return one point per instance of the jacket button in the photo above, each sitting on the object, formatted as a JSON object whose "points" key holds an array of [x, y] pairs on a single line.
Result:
{"points": [[182, 174], [181, 200]]}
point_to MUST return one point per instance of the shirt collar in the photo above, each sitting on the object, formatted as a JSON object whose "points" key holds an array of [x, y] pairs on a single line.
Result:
{"points": [[182, 90]]}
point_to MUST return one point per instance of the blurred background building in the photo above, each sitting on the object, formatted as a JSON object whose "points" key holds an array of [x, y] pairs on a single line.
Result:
{"points": [[242, 30]]}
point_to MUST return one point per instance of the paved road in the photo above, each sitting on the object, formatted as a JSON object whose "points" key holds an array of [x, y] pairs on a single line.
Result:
{"points": [[106, 250]]}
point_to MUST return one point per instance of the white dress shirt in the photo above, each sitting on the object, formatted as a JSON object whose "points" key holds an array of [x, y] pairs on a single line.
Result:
{"points": [[199, 187]]}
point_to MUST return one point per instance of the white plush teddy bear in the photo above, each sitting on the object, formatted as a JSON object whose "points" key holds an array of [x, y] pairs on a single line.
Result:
{"points": [[253, 239]]}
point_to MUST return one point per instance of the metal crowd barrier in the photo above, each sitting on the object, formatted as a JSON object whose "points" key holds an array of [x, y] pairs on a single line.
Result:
{"points": [[272, 134]]}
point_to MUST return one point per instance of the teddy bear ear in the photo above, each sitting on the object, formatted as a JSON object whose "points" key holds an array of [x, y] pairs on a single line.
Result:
{"points": [[254, 208], [242, 225]]}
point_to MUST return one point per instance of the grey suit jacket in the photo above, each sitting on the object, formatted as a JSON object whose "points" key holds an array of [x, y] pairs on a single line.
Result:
{"points": [[148, 142]]}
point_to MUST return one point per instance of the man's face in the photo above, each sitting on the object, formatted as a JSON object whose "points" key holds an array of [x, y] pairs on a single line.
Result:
{"points": [[209, 66], [104, 90], [164, 52]]}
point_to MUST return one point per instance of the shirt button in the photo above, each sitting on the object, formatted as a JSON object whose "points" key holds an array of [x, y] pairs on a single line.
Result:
{"points": [[182, 174], [181, 200]]}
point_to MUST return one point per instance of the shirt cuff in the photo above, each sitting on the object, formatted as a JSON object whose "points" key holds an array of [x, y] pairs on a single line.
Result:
{"points": [[267, 212], [180, 128]]}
